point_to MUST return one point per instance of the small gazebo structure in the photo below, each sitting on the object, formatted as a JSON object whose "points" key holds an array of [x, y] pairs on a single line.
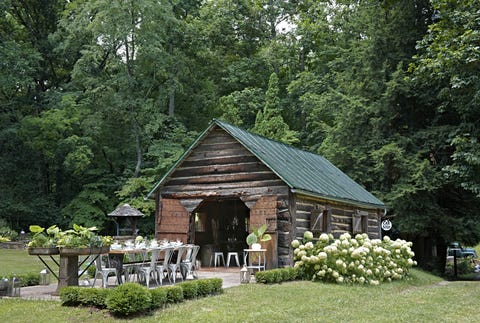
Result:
{"points": [[125, 218]]}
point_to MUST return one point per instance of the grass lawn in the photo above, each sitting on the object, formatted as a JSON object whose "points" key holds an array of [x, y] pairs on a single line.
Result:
{"points": [[422, 298], [20, 262]]}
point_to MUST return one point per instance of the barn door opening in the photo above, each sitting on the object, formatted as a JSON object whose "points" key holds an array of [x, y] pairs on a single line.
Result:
{"points": [[220, 225]]}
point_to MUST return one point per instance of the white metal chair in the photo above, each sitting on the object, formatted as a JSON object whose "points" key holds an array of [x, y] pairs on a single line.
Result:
{"points": [[174, 265], [130, 270], [148, 269], [103, 270], [188, 266], [162, 266]]}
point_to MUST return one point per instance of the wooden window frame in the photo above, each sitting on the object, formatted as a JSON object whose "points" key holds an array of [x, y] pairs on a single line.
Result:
{"points": [[320, 220], [360, 222]]}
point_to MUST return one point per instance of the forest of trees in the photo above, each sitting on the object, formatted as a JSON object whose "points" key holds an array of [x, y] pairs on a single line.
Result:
{"points": [[99, 97]]}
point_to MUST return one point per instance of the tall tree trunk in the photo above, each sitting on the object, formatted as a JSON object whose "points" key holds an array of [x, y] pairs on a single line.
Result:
{"points": [[171, 103], [138, 148]]}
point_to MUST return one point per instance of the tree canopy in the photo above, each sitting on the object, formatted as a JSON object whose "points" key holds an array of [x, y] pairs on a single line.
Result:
{"points": [[99, 98]]}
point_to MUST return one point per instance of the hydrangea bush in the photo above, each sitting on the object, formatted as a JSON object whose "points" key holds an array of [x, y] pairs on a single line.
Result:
{"points": [[357, 260]]}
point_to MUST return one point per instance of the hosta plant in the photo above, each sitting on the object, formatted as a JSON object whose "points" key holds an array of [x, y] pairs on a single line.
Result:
{"points": [[82, 237], [43, 238], [352, 259]]}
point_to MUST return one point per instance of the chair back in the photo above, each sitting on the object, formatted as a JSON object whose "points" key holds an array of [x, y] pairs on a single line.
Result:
{"points": [[180, 252], [167, 256], [99, 263], [151, 258], [188, 252], [195, 251]]}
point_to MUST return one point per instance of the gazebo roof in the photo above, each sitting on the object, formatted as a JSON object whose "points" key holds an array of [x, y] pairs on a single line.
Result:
{"points": [[126, 211]]}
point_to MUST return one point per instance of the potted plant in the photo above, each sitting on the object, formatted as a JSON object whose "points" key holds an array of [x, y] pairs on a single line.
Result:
{"points": [[43, 242], [258, 235], [82, 241]]}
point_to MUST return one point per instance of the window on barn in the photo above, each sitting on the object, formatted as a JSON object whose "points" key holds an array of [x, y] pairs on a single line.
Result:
{"points": [[320, 220], [360, 222]]}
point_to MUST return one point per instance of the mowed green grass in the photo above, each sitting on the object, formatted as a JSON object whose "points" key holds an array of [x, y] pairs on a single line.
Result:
{"points": [[422, 298], [20, 262]]}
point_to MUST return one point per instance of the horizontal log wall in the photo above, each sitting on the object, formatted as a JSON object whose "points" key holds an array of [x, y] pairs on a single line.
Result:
{"points": [[341, 217], [221, 167]]}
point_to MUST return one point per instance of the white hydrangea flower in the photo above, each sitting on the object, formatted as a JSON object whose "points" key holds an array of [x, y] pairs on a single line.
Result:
{"points": [[308, 235], [295, 243], [324, 237]]}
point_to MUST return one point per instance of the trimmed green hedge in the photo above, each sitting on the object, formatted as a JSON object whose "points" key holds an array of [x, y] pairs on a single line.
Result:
{"points": [[128, 299], [190, 289], [159, 297], [132, 299], [174, 294], [276, 275]]}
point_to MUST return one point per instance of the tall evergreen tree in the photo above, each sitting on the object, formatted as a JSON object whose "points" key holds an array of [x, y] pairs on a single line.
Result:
{"points": [[269, 122]]}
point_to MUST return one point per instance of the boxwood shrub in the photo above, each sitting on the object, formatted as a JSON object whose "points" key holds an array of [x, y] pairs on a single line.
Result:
{"points": [[205, 287], [69, 296], [216, 285], [128, 299], [174, 294], [159, 297], [131, 298], [276, 275], [190, 289], [93, 296]]}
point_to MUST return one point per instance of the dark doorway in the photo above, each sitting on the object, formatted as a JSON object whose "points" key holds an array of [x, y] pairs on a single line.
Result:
{"points": [[221, 225]]}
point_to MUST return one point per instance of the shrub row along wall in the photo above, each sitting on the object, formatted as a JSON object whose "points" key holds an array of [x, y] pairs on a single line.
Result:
{"points": [[131, 299]]}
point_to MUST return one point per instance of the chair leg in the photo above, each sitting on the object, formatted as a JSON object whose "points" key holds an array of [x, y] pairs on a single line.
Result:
{"points": [[104, 280]]}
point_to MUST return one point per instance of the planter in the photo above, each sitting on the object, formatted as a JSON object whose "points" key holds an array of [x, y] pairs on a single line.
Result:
{"points": [[256, 246], [43, 251], [71, 251]]}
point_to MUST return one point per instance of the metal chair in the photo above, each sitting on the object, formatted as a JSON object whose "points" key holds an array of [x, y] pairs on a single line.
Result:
{"points": [[148, 269], [174, 265], [103, 270], [162, 266], [130, 270], [235, 256], [217, 257], [187, 266]]}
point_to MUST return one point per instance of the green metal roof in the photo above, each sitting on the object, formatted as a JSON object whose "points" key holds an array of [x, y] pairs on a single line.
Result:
{"points": [[304, 172]]}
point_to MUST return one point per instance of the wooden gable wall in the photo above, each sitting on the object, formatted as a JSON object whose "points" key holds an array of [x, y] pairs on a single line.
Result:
{"points": [[221, 166]]}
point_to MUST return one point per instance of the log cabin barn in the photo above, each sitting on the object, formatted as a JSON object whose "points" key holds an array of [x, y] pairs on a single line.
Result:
{"points": [[230, 181]]}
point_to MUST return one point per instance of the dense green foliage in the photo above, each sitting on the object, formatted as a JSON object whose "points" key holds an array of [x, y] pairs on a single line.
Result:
{"points": [[98, 98]]}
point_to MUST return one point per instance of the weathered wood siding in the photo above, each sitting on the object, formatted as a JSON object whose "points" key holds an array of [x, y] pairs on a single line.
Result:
{"points": [[221, 167], [341, 217]]}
